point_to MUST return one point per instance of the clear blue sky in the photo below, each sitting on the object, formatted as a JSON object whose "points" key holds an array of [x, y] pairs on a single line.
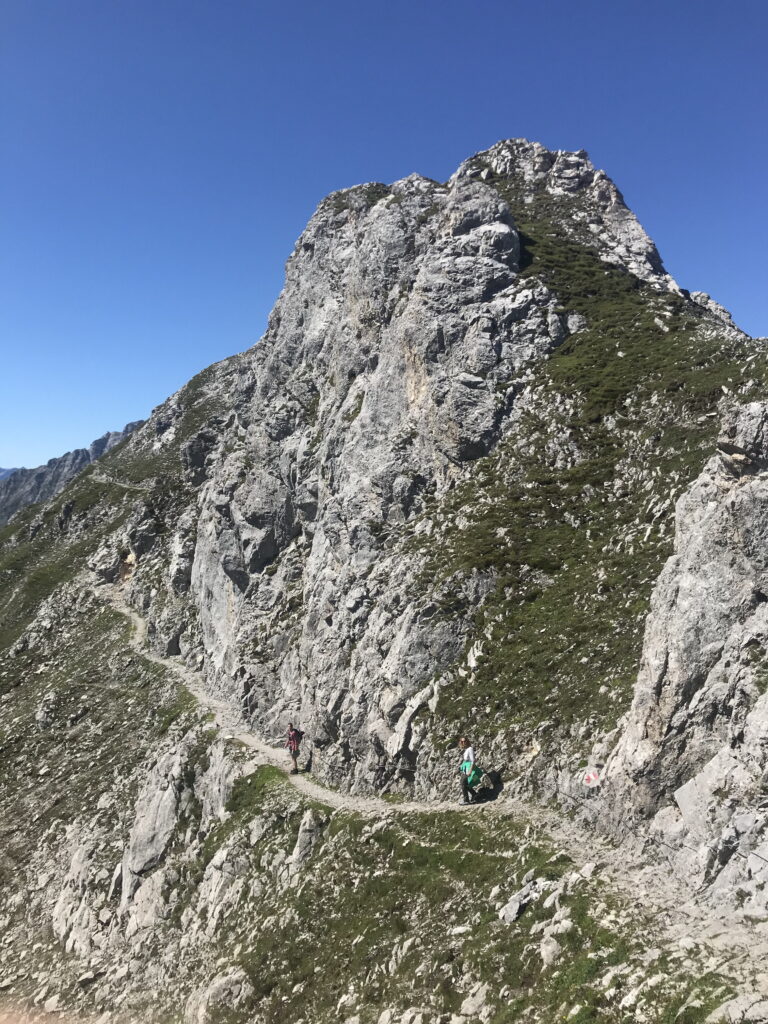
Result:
{"points": [[159, 157]]}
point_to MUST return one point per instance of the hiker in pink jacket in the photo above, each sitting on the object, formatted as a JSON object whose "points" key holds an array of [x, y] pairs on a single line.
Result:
{"points": [[293, 743]]}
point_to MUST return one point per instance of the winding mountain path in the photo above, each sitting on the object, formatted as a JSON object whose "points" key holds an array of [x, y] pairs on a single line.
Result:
{"points": [[104, 478], [227, 719], [732, 944]]}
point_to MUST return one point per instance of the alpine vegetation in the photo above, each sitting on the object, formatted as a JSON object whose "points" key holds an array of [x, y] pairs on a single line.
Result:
{"points": [[22, 487], [378, 672]]}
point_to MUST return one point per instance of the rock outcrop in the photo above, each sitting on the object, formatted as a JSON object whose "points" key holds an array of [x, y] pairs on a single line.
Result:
{"points": [[692, 753], [22, 487], [413, 340], [436, 498], [602, 219]]}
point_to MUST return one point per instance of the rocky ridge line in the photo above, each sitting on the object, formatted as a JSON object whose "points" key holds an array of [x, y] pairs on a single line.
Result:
{"points": [[22, 487]]}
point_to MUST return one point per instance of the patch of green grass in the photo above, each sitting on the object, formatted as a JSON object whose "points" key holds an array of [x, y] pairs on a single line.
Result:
{"points": [[247, 799], [364, 195], [403, 909], [249, 791], [198, 400], [102, 701], [182, 704], [564, 518], [354, 412], [311, 408], [394, 798], [46, 546]]}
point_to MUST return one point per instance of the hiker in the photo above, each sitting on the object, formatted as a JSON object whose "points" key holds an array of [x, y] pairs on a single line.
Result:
{"points": [[469, 773], [293, 742]]}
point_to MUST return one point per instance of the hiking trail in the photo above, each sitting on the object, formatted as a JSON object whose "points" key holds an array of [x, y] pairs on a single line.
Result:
{"points": [[104, 478], [735, 946]]}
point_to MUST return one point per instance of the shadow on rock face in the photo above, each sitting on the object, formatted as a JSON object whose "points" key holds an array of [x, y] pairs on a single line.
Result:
{"points": [[490, 788]]}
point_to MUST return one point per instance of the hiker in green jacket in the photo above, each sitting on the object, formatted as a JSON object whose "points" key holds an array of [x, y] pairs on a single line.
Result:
{"points": [[469, 773]]}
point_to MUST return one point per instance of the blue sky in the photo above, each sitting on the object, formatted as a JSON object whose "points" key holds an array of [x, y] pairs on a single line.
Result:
{"points": [[159, 157]]}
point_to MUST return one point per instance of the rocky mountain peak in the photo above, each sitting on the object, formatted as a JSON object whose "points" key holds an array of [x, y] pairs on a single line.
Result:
{"points": [[438, 498], [22, 487], [565, 187]]}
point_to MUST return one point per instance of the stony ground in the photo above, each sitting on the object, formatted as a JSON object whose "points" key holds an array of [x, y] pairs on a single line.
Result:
{"points": [[721, 942], [611, 933]]}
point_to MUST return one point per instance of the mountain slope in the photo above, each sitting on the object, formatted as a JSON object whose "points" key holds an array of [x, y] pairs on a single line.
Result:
{"points": [[433, 376], [21, 487], [433, 500]]}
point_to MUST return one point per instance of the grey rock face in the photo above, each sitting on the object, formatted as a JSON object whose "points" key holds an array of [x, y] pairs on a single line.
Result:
{"points": [[22, 487], [392, 361], [404, 346], [227, 993], [604, 221], [692, 753], [713, 307]]}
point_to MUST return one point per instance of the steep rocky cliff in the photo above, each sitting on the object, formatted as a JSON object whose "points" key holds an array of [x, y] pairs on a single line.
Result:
{"points": [[434, 499], [692, 749], [440, 489], [22, 487]]}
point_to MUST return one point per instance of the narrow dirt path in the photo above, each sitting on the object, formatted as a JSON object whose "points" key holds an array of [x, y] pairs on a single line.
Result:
{"points": [[733, 945], [103, 478], [231, 724]]}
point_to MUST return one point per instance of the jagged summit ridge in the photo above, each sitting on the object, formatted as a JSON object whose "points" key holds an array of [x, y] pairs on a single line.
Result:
{"points": [[597, 213], [582, 198]]}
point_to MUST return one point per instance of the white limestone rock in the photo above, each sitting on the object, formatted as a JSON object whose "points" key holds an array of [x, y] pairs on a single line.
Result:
{"points": [[693, 749], [227, 993]]}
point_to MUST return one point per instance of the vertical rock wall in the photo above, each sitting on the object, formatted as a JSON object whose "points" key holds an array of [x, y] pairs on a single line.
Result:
{"points": [[693, 753]]}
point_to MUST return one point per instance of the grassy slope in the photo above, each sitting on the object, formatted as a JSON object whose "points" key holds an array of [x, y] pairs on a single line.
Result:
{"points": [[375, 917], [104, 709], [566, 514], [105, 706], [47, 545]]}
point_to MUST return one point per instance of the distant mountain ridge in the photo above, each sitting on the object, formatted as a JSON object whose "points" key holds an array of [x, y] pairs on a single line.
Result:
{"points": [[22, 487]]}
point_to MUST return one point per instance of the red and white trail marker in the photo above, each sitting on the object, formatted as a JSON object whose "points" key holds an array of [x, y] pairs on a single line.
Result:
{"points": [[591, 777]]}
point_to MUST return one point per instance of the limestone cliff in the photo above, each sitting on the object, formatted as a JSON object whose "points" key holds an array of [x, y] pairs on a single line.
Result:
{"points": [[436, 371], [692, 749], [435, 498]]}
